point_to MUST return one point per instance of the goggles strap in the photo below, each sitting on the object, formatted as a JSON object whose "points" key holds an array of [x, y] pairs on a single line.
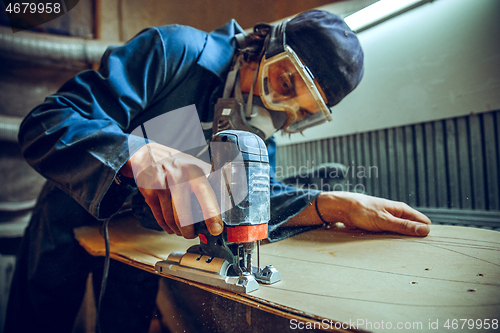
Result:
{"points": [[237, 91], [248, 106], [240, 40], [276, 40], [231, 77]]}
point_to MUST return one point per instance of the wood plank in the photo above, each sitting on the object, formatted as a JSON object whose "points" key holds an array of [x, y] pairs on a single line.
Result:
{"points": [[279, 155], [298, 158], [430, 157], [345, 151], [384, 165], [286, 157], [310, 152], [352, 149], [322, 149], [421, 166], [491, 158], [108, 21], [331, 150], [464, 157], [441, 178], [318, 156], [368, 162], [452, 163], [303, 155], [352, 162], [306, 154], [304, 163], [401, 162], [338, 150], [376, 163], [298, 152], [325, 148], [359, 164], [279, 159], [288, 160], [393, 168], [464, 217], [363, 275], [411, 185], [281, 167], [477, 163], [292, 159], [497, 123]]}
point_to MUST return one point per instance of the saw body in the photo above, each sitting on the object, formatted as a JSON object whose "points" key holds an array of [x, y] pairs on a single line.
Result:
{"points": [[240, 179]]}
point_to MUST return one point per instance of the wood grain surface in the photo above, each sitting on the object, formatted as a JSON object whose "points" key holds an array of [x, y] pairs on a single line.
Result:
{"points": [[366, 280]]}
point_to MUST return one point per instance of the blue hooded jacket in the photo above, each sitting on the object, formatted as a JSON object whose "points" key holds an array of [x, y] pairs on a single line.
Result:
{"points": [[79, 137]]}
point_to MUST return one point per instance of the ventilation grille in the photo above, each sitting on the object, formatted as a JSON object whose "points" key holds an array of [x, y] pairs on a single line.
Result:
{"points": [[452, 163]]}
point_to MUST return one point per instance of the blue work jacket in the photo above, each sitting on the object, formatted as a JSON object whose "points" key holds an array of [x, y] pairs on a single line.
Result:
{"points": [[79, 137]]}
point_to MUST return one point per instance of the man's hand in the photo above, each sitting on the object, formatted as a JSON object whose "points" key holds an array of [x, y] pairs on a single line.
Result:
{"points": [[166, 178], [365, 212], [372, 213]]}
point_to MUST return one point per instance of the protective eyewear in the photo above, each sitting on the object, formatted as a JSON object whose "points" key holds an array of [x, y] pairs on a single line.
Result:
{"points": [[286, 84]]}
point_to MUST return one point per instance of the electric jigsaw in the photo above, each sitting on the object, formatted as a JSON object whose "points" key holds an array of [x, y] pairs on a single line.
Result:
{"points": [[240, 180]]}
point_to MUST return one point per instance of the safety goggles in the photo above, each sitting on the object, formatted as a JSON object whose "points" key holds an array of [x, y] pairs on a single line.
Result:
{"points": [[286, 84]]}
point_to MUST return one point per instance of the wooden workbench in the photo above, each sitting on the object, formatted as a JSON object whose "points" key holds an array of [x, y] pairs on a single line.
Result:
{"points": [[365, 281]]}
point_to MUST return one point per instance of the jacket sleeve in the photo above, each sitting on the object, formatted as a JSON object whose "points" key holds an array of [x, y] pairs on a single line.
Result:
{"points": [[286, 201], [78, 137]]}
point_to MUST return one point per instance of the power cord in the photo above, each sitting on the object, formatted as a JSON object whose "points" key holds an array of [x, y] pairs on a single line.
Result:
{"points": [[104, 274], [127, 208]]}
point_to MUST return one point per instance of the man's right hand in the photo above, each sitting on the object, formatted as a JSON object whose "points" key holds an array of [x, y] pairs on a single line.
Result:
{"points": [[167, 178]]}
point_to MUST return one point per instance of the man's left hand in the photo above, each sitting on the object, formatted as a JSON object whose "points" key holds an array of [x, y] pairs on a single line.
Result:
{"points": [[362, 211], [372, 213]]}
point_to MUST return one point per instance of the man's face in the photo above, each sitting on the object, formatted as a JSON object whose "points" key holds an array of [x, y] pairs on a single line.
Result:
{"points": [[287, 84]]}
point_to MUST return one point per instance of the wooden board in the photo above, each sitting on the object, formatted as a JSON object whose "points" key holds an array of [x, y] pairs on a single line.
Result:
{"points": [[363, 279]]}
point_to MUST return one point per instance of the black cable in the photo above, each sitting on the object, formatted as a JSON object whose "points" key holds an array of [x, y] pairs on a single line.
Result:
{"points": [[104, 274], [107, 257]]}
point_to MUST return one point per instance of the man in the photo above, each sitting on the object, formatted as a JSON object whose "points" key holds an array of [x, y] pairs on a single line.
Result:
{"points": [[80, 140]]}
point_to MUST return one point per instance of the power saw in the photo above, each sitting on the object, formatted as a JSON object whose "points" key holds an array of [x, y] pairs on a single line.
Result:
{"points": [[240, 179]]}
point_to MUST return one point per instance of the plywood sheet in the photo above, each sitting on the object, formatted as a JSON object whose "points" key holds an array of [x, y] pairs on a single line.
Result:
{"points": [[366, 280]]}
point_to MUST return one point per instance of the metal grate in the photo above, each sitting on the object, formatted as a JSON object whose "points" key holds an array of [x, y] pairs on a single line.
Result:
{"points": [[450, 164]]}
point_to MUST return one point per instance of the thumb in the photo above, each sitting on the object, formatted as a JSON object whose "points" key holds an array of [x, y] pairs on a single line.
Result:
{"points": [[215, 225], [407, 227]]}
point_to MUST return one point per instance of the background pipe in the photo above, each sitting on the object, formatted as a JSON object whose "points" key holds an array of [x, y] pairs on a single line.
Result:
{"points": [[48, 46]]}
